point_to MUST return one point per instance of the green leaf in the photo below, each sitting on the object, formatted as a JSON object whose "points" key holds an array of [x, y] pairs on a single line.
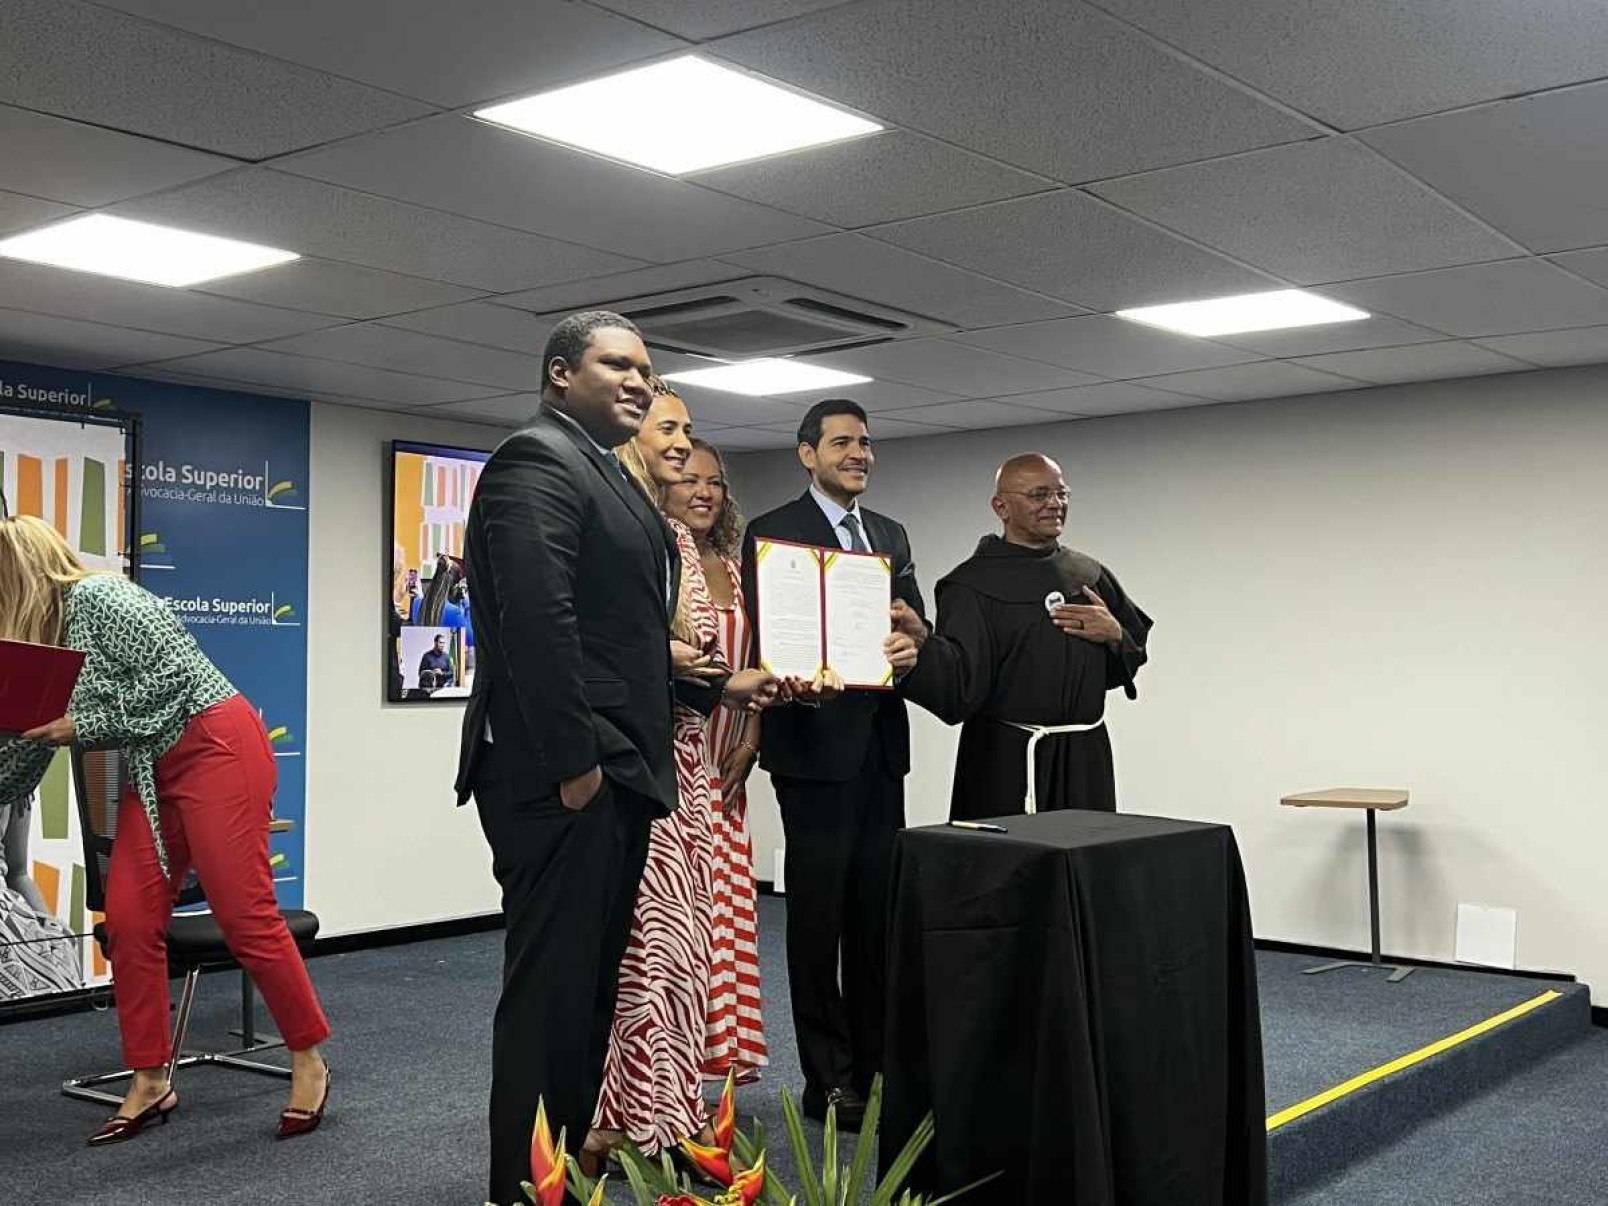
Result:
{"points": [[865, 1149], [830, 1172], [950, 1197], [801, 1152], [904, 1163]]}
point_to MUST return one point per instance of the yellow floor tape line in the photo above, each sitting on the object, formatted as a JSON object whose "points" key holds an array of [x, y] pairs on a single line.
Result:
{"points": [[1301, 1108]]}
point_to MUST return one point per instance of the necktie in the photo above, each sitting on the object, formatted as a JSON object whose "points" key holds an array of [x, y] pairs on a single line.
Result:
{"points": [[613, 458], [850, 523]]}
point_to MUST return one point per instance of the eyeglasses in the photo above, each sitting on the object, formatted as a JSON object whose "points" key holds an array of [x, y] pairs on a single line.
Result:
{"points": [[1040, 496]]}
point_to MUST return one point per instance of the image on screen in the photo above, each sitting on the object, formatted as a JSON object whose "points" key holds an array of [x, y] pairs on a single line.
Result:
{"points": [[430, 631]]}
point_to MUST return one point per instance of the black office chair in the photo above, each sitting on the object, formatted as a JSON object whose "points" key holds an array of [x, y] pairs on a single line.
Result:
{"points": [[194, 940]]}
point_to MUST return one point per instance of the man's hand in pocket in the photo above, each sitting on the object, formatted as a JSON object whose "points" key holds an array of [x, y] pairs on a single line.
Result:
{"points": [[575, 794]]}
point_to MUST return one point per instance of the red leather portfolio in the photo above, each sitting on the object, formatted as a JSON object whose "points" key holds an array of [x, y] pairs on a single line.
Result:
{"points": [[36, 681]]}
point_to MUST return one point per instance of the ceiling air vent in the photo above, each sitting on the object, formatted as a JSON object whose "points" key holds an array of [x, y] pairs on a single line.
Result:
{"points": [[764, 316]]}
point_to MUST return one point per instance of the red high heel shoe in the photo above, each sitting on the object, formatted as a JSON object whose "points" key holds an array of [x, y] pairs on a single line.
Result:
{"points": [[293, 1122], [120, 1127]]}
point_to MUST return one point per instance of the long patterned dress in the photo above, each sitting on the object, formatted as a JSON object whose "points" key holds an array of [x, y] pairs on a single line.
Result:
{"points": [[735, 1036], [652, 1090]]}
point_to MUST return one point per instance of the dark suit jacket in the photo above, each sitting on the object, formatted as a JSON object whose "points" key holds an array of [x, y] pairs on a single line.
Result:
{"points": [[828, 743], [568, 566]]}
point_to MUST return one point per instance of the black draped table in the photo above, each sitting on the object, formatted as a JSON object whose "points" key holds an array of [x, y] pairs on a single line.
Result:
{"points": [[1075, 1001]]}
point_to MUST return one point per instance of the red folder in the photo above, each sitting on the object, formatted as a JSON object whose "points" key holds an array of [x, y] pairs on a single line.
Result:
{"points": [[36, 681]]}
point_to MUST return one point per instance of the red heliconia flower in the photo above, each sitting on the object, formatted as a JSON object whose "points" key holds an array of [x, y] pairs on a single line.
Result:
{"points": [[725, 1124], [546, 1161], [680, 1199], [716, 1161], [750, 1183]]}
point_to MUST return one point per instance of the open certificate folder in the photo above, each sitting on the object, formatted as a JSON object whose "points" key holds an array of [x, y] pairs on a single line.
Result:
{"points": [[36, 683], [823, 607]]}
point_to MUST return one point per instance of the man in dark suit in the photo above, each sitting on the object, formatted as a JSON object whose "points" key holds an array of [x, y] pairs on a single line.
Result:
{"points": [[567, 737], [838, 766]]}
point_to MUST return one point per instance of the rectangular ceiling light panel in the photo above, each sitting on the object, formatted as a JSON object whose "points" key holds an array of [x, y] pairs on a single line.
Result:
{"points": [[1273, 311], [140, 251], [682, 115]]}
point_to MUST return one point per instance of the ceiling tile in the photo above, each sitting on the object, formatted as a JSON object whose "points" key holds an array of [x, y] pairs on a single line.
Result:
{"points": [[147, 307], [511, 409], [479, 322], [1586, 345], [1593, 264], [399, 351], [85, 165], [620, 286], [1377, 331], [313, 378], [69, 343], [1358, 62], [448, 54], [1105, 101], [713, 18], [880, 178], [1483, 299], [712, 408], [468, 167], [1106, 346], [88, 63], [953, 368], [1318, 211], [18, 212], [875, 396], [1072, 246], [1238, 382], [856, 266], [1416, 362], [1536, 168], [1108, 398], [339, 224], [976, 414], [345, 289]]}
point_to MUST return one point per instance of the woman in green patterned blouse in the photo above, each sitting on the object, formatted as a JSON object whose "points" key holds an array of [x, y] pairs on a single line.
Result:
{"points": [[201, 788]]}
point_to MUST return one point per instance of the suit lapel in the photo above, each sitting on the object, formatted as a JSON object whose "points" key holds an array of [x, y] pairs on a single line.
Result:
{"points": [[627, 491], [817, 528]]}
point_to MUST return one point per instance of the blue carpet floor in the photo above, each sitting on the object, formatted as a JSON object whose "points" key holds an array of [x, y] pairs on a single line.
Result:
{"points": [[412, 1045]]}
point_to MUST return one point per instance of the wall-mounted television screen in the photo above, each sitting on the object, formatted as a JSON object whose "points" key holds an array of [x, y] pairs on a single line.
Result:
{"points": [[430, 628]]}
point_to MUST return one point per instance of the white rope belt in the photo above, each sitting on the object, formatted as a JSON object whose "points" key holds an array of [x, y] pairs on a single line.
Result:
{"points": [[1037, 733]]}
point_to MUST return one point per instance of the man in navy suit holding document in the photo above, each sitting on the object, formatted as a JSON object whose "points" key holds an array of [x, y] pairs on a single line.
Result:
{"points": [[838, 763]]}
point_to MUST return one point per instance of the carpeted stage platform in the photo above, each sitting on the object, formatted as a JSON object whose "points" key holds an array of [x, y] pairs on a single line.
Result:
{"points": [[1510, 1114]]}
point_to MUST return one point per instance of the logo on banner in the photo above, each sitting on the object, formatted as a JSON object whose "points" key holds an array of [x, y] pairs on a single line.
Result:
{"points": [[270, 612], [154, 554], [280, 738], [212, 485]]}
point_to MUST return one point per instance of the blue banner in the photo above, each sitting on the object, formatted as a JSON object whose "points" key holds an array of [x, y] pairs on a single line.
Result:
{"points": [[223, 539]]}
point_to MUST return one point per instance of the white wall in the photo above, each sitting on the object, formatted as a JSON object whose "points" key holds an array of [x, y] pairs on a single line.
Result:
{"points": [[1397, 587], [385, 846]]}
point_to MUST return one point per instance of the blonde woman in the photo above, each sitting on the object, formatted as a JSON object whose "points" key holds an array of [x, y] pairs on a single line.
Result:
{"points": [[201, 789], [652, 1087], [734, 1032]]}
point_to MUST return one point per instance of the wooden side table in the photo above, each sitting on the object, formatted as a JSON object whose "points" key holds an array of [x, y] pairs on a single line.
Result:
{"points": [[1373, 800]]}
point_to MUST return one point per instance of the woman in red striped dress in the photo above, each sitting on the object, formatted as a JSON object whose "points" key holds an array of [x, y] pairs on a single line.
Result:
{"points": [[652, 1092], [734, 1034]]}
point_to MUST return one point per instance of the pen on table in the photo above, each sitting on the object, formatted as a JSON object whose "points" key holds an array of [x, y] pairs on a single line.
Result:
{"points": [[979, 825]]}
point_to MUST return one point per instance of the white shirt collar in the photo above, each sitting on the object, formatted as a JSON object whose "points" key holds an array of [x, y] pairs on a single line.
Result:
{"points": [[576, 425], [835, 511]]}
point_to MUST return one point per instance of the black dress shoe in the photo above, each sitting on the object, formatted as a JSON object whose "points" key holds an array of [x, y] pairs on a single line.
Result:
{"points": [[848, 1106]]}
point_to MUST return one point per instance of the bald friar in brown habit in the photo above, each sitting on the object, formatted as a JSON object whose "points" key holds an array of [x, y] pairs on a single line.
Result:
{"points": [[1030, 637]]}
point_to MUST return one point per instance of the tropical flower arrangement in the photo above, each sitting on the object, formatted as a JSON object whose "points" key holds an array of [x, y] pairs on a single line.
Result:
{"points": [[736, 1163]]}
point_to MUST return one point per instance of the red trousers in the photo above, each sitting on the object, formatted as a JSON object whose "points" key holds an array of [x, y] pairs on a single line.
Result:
{"points": [[215, 789]]}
